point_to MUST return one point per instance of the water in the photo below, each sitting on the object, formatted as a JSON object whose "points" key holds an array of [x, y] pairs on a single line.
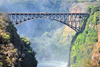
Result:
{"points": [[52, 64]]}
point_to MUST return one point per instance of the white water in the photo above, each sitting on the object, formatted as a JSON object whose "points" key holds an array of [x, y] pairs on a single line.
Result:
{"points": [[52, 64]]}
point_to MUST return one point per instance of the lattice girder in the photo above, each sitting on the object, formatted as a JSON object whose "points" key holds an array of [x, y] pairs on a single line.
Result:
{"points": [[71, 19]]}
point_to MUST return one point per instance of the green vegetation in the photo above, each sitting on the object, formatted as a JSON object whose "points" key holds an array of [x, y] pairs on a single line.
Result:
{"points": [[26, 40], [13, 49], [29, 59], [82, 46]]}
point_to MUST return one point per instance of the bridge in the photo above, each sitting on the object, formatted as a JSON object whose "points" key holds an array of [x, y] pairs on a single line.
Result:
{"points": [[73, 20]]}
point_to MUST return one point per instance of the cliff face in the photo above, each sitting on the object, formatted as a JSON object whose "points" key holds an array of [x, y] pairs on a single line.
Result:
{"points": [[83, 44], [79, 8], [14, 51]]}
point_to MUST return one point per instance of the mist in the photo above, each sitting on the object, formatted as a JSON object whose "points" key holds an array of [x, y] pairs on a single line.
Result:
{"points": [[46, 35]]}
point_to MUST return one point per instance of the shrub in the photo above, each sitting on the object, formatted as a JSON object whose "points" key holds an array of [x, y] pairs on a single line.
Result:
{"points": [[1, 63], [26, 40], [99, 49]]}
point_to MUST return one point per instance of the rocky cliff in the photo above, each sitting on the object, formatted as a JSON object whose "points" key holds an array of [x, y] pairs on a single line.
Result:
{"points": [[83, 43]]}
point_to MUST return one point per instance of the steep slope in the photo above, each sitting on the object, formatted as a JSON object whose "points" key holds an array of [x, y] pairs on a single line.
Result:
{"points": [[83, 43], [53, 46], [14, 51]]}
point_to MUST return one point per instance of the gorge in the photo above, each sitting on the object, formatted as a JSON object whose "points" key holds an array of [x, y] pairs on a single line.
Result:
{"points": [[51, 40]]}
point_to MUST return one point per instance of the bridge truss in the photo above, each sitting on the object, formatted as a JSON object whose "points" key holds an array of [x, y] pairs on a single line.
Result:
{"points": [[73, 20]]}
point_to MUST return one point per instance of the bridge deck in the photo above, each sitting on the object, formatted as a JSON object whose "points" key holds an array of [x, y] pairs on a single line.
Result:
{"points": [[51, 13], [73, 20]]}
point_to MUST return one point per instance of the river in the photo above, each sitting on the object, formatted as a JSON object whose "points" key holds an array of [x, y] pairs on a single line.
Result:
{"points": [[52, 64]]}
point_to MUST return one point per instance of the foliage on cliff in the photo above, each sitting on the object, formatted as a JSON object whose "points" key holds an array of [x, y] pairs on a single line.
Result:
{"points": [[13, 50], [83, 45]]}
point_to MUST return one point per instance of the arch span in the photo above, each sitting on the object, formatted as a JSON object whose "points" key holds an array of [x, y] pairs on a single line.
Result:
{"points": [[73, 20]]}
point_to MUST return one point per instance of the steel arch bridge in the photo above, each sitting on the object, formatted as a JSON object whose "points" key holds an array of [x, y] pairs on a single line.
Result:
{"points": [[73, 20]]}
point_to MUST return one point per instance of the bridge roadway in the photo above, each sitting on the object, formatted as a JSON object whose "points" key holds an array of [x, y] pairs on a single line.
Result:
{"points": [[73, 20], [52, 13]]}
